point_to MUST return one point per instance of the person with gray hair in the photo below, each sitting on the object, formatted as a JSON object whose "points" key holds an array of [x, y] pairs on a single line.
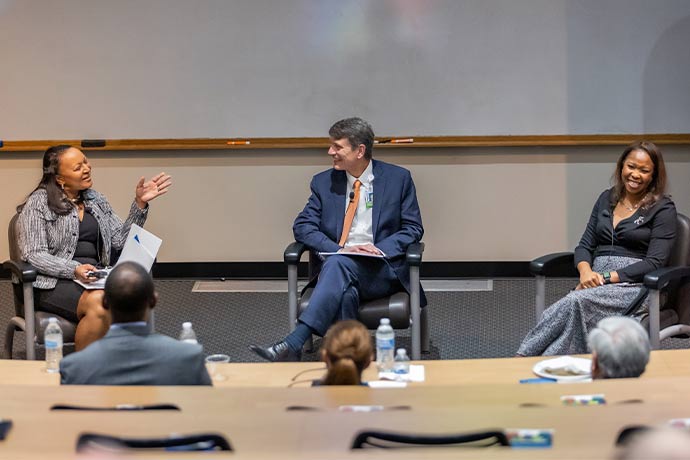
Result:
{"points": [[620, 348]]}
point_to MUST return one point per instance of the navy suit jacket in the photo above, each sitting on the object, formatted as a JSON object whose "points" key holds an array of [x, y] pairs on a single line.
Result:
{"points": [[131, 355], [396, 219]]}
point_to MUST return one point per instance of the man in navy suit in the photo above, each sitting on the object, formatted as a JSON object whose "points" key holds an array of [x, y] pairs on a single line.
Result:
{"points": [[384, 219]]}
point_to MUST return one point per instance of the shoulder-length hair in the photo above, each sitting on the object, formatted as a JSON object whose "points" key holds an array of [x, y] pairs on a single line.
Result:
{"points": [[57, 201], [656, 188]]}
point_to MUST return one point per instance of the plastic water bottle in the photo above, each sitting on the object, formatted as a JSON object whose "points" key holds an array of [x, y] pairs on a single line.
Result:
{"points": [[188, 335], [402, 362], [385, 345], [53, 343]]}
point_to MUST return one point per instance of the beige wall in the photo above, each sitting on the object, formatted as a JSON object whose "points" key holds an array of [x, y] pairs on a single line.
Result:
{"points": [[478, 204]]}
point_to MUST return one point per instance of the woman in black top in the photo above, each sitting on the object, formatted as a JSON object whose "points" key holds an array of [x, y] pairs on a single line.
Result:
{"points": [[67, 230], [630, 233]]}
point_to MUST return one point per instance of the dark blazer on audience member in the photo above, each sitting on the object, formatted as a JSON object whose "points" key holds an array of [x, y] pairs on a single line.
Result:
{"points": [[130, 354], [396, 219]]}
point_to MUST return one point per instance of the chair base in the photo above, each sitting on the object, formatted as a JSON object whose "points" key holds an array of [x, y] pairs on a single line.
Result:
{"points": [[17, 323]]}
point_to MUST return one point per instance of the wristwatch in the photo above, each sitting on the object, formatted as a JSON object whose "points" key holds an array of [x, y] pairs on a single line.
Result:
{"points": [[607, 277]]}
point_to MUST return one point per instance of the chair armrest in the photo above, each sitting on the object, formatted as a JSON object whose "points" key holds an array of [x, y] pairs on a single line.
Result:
{"points": [[658, 279], [22, 270], [556, 264], [293, 253], [413, 256]]}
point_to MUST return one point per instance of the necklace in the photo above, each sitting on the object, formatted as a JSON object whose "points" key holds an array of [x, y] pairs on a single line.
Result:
{"points": [[632, 207], [77, 202]]}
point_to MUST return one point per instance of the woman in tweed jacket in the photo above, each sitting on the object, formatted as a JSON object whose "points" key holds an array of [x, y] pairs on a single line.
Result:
{"points": [[67, 230]]}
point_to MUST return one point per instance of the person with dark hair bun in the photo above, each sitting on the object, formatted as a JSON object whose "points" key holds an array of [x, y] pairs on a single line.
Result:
{"points": [[630, 233], [347, 351], [67, 230]]}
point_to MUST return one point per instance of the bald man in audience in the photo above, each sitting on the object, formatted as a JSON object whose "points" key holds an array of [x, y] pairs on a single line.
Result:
{"points": [[620, 348], [130, 354]]}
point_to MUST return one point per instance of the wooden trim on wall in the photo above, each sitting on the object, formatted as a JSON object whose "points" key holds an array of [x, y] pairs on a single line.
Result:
{"points": [[322, 142]]}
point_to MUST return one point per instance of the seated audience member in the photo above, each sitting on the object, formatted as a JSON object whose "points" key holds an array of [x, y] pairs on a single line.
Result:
{"points": [[620, 348], [630, 233], [67, 230], [657, 443], [130, 354], [347, 351]]}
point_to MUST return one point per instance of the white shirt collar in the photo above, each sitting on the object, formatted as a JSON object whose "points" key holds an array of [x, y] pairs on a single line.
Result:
{"points": [[366, 178]]}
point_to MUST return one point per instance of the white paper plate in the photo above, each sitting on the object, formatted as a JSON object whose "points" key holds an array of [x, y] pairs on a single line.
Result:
{"points": [[581, 364]]}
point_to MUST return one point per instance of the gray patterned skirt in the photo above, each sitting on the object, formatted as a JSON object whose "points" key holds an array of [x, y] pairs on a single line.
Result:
{"points": [[563, 328]]}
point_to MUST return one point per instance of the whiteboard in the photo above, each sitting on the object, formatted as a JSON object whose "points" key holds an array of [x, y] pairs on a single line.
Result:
{"points": [[131, 69]]}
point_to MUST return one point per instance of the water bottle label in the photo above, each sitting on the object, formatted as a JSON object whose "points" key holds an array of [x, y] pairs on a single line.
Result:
{"points": [[53, 344], [385, 344]]}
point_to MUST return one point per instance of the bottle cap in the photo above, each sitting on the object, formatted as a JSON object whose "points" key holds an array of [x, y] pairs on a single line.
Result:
{"points": [[385, 321], [401, 351], [187, 325], [52, 319]]}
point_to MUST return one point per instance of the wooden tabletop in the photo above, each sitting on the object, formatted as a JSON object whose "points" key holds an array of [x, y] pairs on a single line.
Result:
{"points": [[259, 420], [263, 418], [663, 363]]}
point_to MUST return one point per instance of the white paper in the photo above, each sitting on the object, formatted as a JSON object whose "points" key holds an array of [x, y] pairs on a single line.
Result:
{"points": [[96, 284], [416, 374], [386, 384], [141, 247], [356, 254]]}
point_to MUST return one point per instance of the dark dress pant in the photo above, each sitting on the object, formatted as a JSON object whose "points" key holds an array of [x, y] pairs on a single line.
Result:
{"points": [[343, 282]]}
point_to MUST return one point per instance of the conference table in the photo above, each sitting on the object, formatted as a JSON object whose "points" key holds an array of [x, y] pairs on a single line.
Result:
{"points": [[263, 418], [663, 363]]}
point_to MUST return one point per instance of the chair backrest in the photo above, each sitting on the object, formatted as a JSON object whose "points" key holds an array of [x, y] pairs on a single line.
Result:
{"points": [[118, 408], [680, 256], [13, 238], [315, 263], [88, 442], [15, 255], [384, 439]]}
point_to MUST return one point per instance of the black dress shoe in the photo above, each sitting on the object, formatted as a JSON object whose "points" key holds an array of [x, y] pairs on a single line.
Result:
{"points": [[279, 351]]}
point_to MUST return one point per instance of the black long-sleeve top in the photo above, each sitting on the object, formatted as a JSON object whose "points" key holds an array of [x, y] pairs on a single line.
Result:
{"points": [[648, 235]]}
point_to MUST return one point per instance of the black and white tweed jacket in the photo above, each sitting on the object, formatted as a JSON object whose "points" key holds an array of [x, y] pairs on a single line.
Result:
{"points": [[48, 240]]}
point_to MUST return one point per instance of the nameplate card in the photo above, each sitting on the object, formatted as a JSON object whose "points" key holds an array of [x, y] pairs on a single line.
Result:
{"points": [[529, 437], [583, 400]]}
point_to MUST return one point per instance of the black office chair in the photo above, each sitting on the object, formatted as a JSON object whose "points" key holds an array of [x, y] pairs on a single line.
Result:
{"points": [[403, 310], [23, 276], [189, 443], [386, 439], [667, 288], [117, 408]]}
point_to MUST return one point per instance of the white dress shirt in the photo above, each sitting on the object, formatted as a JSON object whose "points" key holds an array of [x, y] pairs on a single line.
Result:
{"points": [[361, 230]]}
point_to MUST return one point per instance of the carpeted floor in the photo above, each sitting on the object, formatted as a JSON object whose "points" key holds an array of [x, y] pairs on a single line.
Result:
{"points": [[472, 324]]}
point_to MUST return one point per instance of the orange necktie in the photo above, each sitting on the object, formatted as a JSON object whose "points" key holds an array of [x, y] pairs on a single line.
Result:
{"points": [[350, 214]]}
